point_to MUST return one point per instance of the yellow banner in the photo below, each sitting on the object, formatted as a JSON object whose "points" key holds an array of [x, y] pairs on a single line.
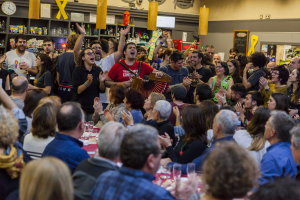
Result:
{"points": [[61, 9], [254, 40]]}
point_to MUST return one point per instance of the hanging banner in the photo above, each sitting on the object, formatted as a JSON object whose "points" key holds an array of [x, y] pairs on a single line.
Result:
{"points": [[61, 9]]}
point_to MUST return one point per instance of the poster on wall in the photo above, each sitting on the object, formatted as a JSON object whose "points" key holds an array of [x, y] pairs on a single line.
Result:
{"points": [[271, 53], [241, 40]]}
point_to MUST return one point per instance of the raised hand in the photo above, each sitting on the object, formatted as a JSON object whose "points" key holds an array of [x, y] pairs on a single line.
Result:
{"points": [[102, 76], [125, 31], [3, 58], [81, 29], [90, 78], [165, 140], [127, 117], [176, 111], [98, 107], [164, 37], [264, 82], [221, 98]]}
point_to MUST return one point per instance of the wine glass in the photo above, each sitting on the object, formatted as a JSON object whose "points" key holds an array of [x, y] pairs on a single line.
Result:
{"points": [[176, 171], [190, 169], [91, 126]]}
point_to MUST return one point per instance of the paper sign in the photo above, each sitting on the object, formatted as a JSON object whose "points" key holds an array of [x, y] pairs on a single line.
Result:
{"points": [[45, 10], [93, 17], [77, 17], [222, 55], [110, 19]]}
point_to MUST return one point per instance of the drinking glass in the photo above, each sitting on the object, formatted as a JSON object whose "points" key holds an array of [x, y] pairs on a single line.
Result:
{"points": [[190, 169], [53, 31], [176, 171], [59, 31], [91, 126]]}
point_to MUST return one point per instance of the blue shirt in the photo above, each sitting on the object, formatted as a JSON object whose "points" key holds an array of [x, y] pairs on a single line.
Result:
{"points": [[128, 184], [137, 116], [200, 160], [67, 149], [277, 162]]}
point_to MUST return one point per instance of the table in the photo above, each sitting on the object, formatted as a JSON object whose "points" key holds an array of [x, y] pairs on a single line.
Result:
{"points": [[92, 147]]}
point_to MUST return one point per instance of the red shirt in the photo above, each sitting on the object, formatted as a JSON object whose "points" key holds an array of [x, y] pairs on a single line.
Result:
{"points": [[118, 73], [172, 117]]}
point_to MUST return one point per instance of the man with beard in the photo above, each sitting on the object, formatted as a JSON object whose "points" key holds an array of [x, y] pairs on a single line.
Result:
{"points": [[210, 49], [48, 45], [20, 60], [119, 74], [105, 63], [197, 73]]}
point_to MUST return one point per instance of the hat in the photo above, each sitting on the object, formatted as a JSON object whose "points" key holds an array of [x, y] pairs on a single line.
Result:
{"points": [[179, 92]]}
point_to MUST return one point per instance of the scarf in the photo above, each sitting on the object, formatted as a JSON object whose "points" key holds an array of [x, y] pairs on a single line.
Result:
{"points": [[12, 162]]}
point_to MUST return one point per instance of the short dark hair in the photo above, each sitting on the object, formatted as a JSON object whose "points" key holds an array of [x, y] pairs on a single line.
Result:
{"points": [[209, 47], [21, 36], [233, 50], [104, 45], [240, 89], [135, 98], [48, 39], [95, 42], [283, 74], [73, 117], [256, 96], [203, 91], [32, 100], [19, 89], [115, 42], [258, 59], [200, 54], [138, 143], [176, 56], [279, 189], [118, 93], [126, 45], [282, 102], [138, 49]]}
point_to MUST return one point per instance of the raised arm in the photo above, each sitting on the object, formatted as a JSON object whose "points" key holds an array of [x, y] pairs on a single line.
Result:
{"points": [[186, 53], [118, 55], [164, 38], [79, 41]]}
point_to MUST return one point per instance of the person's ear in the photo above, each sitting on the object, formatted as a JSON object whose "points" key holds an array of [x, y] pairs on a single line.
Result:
{"points": [[218, 128], [151, 161], [273, 133], [83, 58], [254, 103], [197, 97], [238, 96]]}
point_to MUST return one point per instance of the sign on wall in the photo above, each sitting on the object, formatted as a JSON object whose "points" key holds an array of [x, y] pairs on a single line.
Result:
{"points": [[241, 40]]}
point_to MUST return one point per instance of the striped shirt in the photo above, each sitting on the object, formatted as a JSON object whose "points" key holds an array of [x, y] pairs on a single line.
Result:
{"points": [[35, 146]]}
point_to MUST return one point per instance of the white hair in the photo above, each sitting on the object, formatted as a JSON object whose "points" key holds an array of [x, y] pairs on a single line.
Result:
{"points": [[164, 109], [295, 132], [227, 120]]}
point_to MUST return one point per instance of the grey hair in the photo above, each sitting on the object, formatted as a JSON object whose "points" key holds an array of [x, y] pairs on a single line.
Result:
{"points": [[138, 143], [296, 139], [227, 120], [164, 109], [282, 123], [109, 139]]}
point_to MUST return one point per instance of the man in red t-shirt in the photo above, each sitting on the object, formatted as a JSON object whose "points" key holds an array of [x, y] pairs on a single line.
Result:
{"points": [[118, 73]]}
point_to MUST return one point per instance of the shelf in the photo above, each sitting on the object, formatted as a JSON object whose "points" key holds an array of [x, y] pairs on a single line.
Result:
{"points": [[107, 36], [2, 32], [91, 36], [2, 47], [36, 35]]}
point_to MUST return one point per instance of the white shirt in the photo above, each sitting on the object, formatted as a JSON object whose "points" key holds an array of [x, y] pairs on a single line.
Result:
{"points": [[105, 64], [35, 146], [13, 61], [243, 138]]}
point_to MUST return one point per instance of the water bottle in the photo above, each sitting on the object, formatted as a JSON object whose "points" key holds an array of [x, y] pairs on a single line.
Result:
{"points": [[239, 123], [3, 26]]}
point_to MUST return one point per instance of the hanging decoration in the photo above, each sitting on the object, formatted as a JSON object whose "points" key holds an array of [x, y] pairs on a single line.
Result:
{"points": [[254, 41], [34, 9], [126, 18], [101, 14], [152, 16], [203, 21], [61, 7]]}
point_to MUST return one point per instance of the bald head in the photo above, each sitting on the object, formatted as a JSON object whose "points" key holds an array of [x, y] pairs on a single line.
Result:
{"points": [[295, 63], [216, 58], [69, 116], [271, 66], [19, 85]]}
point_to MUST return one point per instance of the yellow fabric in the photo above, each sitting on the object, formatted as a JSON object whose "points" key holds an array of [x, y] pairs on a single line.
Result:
{"points": [[273, 89], [12, 163]]}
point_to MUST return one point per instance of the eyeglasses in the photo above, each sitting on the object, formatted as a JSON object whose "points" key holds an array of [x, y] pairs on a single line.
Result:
{"points": [[277, 73], [90, 53], [97, 48]]}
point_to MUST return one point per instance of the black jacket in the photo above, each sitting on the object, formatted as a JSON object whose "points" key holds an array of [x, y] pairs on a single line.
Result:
{"points": [[166, 127]]}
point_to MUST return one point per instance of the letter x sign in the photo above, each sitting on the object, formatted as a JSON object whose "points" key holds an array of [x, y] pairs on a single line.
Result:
{"points": [[61, 9]]}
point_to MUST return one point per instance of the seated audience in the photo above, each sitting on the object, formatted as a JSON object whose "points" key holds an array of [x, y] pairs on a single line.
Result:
{"points": [[201, 93], [55, 100], [295, 141], [293, 92], [253, 138], [222, 82], [178, 94], [116, 105], [278, 160], [224, 125], [257, 62], [195, 140], [280, 76], [279, 189], [210, 109], [11, 156], [31, 102], [48, 178], [66, 145], [19, 89], [278, 101], [160, 115], [234, 70], [42, 131], [87, 172], [229, 172], [252, 101], [140, 154]]}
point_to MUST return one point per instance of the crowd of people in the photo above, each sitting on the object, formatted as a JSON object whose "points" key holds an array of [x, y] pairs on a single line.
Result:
{"points": [[237, 121]]}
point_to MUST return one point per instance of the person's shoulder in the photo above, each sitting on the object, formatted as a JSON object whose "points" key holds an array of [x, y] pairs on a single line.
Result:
{"points": [[29, 54], [11, 52]]}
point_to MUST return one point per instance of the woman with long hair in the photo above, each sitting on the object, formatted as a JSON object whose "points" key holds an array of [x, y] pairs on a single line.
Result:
{"points": [[210, 110], [234, 70], [222, 82], [48, 179], [253, 138], [46, 74], [278, 101], [194, 142], [243, 61], [293, 92]]}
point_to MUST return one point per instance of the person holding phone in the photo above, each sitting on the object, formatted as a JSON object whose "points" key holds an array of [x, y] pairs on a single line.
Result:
{"points": [[257, 62]]}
